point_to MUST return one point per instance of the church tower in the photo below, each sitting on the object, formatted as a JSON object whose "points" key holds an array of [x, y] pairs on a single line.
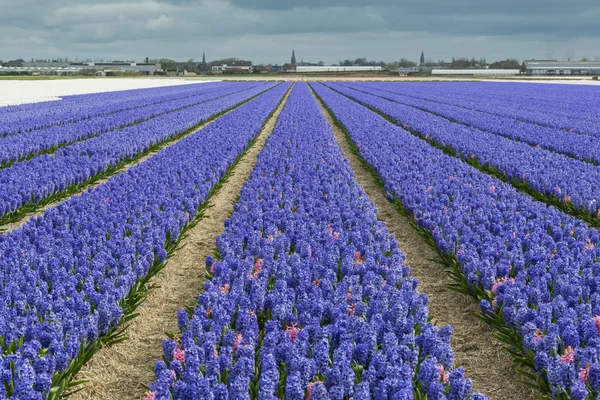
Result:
{"points": [[293, 61], [203, 66], [422, 58]]}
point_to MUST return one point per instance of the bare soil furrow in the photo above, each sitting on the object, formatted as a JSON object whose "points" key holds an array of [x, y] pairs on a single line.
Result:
{"points": [[122, 371], [485, 361]]}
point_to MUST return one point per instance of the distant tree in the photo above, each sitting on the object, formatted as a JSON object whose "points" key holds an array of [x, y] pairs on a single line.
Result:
{"points": [[1, 63], [321, 63], [569, 54], [190, 65], [167, 63], [585, 59], [506, 64]]}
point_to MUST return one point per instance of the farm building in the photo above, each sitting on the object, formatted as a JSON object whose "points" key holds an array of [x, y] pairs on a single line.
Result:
{"points": [[336, 68], [70, 68], [232, 66], [408, 70], [476, 72], [553, 67]]}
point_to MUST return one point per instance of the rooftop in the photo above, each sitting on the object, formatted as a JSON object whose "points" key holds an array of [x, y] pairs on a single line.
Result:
{"points": [[553, 64]]}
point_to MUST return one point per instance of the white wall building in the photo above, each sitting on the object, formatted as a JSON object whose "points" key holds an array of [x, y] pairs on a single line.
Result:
{"points": [[476, 72], [241, 66], [43, 68], [336, 68]]}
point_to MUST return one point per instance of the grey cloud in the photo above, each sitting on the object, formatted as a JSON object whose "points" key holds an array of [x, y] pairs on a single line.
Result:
{"points": [[267, 30]]}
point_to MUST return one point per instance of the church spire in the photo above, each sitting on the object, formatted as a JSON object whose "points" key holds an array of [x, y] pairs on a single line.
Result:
{"points": [[293, 61], [203, 66], [422, 58]]}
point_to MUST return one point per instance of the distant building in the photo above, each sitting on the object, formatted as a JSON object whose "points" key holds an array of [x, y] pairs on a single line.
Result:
{"points": [[272, 68], [476, 72], [336, 68], [554, 67], [203, 65], [293, 60], [232, 66], [143, 68], [14, 63], [428, 66], [70, 68], [407, 70], [303, 63]]}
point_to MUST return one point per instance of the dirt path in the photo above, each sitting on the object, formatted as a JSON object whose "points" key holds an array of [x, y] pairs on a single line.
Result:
{"points": [[5, 228], [121, 371], [485, 361]]}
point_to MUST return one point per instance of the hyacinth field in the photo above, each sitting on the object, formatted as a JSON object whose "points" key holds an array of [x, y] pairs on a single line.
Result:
{"points": [[303, 291]]}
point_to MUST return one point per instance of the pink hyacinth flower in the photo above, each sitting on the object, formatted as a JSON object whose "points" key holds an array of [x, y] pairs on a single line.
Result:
{"points": [[495, 287], [238, 341], [584, 372], [358, 258], [257, 267], [179, 355], [597, 322], [444, 376], [351, 309], [539, 335], [149, 395], [224, 288], [310, 390], [292, 331], [568, 355]]}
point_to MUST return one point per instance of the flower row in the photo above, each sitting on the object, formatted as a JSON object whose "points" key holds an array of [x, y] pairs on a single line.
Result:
{"points": [[550, 174], [582, 147], [564, 107], [38, 179], [310, 297], [27, 117], [533, 267], [65, 275], [16, 147]]}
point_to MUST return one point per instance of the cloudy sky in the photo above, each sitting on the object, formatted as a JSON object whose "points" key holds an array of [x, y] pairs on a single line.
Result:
{"points": [[319, 30]]}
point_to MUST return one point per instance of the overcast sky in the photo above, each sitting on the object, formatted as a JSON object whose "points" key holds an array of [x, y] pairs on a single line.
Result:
{"points": [[319, 30]]}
